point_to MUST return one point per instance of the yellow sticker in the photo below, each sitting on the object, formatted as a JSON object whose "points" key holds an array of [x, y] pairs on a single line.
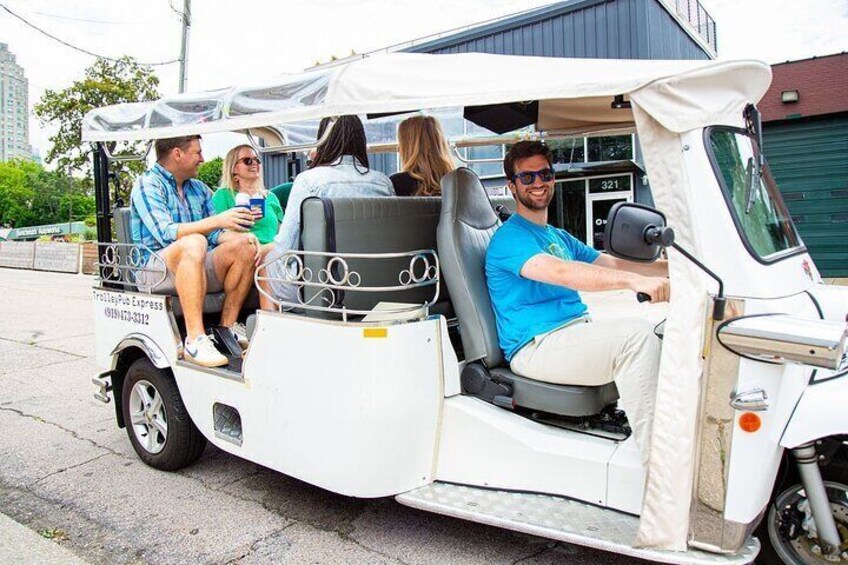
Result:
{"points": [[375, 332]]}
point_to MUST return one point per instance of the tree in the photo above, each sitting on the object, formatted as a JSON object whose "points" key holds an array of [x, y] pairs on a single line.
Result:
{"points": [[105, 83], [16, 192], [31, 195], [210, 172]]}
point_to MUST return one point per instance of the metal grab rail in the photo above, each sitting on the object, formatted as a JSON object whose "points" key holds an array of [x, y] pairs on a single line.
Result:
{"points": [[122, 264], [133, 157], [336, 275], [285, 148]]}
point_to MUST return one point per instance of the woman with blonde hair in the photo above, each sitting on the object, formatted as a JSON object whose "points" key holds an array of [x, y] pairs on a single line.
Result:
{"points": [[424, 155], [242, 185]]}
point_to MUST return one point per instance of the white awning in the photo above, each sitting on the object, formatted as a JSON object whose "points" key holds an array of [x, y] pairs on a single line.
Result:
{"points": [[573, 94]]}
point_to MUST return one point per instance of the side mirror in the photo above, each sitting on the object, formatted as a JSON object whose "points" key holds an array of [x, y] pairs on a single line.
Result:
{"points": [[636, 232]]}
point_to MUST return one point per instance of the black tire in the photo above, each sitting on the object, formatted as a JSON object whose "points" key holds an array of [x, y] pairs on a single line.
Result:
{"points": [[778, 551], [181, 444]]}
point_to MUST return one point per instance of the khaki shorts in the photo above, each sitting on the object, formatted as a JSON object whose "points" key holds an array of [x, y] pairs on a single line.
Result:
{"points": [[148, 279]]}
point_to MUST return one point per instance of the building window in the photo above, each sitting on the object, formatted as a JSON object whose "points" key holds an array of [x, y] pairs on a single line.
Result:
{"points": [[611, 148], [566, 151]]}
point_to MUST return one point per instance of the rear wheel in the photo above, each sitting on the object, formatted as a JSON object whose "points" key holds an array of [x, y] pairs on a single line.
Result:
{"points": [[158, 424]]}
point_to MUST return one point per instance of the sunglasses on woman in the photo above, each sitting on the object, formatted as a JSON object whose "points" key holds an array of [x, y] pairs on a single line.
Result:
{"points": [[527, 177], [250, 161]]}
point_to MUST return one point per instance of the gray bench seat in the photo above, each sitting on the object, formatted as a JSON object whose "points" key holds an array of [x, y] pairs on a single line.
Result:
{"points": [[373, 225], [212, 302]]}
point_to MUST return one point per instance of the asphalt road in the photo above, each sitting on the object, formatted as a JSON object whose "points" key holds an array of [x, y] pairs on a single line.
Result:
{"points": [[69, 473]]}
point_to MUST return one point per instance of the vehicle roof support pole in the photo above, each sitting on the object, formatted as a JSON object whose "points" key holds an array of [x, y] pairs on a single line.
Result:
{"points": [[101, 194]]}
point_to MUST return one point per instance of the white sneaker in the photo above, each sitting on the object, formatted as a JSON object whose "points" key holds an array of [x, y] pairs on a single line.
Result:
{"points": [[240, 334], [201, 351]]}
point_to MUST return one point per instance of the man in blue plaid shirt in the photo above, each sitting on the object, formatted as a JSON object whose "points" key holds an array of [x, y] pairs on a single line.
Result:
{"points": [[172, 214]]}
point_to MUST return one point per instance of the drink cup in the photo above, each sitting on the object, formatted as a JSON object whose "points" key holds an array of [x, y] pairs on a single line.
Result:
{"points": [[257, 206]]}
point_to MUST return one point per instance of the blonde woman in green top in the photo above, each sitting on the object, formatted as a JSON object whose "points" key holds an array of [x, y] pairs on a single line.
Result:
{"points": [[242, 174]]}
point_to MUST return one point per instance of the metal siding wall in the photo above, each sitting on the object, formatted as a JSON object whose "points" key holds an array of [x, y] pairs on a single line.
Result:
{"points": [[274, 170], [809, 160], [666, 39], [383, 162], [624, 29]]}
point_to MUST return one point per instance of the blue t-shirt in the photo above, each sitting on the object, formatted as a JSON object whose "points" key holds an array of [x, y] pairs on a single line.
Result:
{"points": [[525, 308]]}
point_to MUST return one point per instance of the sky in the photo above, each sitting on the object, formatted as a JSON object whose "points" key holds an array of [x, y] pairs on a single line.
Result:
{"points": [[247, 41]]}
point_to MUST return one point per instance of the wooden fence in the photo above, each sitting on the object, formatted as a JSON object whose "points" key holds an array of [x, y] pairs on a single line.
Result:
{"points": [[49, 256]]}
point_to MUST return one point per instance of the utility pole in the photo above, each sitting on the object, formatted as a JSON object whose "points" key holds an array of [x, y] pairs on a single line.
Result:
{"points": [[70, 202], [186, 16]]}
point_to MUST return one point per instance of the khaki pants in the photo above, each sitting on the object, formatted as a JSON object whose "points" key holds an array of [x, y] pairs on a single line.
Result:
{"points": [[595, 353]]}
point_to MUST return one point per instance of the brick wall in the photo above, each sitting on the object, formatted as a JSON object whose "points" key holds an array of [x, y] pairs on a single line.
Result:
{"points": [[822, 83]]}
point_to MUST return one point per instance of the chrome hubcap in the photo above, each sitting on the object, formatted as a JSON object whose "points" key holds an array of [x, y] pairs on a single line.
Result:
{"points": [[148, 417]]}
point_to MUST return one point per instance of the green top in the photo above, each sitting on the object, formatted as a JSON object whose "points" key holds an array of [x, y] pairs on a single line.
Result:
{"points": [[266, 228]]}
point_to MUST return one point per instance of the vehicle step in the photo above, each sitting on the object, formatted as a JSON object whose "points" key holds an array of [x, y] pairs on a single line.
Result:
{"points": [[103, 382], [556, 518]]}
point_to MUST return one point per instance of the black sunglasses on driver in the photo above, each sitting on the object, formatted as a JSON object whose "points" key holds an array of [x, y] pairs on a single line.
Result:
{"points": [[527, 177]]}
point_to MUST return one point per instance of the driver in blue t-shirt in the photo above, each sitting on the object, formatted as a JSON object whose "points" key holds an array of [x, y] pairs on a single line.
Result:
{"points": [[534, 272]]}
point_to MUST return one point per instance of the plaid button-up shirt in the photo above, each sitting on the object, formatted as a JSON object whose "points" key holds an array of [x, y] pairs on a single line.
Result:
{"points": [[156, 209]]}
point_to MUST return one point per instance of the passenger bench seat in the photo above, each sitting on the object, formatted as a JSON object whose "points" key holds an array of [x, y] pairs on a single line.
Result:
{"points": [[372, 225], [212, 302]]}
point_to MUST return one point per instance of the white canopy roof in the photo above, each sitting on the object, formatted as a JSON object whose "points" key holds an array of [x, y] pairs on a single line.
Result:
{"points": [[574, 94]]}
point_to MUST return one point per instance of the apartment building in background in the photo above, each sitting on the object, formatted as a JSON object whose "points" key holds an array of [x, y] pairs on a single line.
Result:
{"points": [[14, 116]]}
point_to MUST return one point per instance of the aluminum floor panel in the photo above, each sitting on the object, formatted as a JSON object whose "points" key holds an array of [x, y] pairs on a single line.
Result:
{"points": [[556, 518]]}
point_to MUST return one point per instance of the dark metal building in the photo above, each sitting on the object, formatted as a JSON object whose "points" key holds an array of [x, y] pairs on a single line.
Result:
{"points": [[605, 29]]}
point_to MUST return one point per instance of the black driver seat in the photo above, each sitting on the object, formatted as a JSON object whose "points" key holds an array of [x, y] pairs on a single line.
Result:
{"points": [[466, 226]]}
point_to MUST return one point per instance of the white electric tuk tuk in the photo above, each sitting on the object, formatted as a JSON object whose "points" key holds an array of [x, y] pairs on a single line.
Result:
{"points": [[384, 377]]}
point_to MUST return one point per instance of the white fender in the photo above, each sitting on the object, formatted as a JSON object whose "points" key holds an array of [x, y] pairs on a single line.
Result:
{"points": [[146, 344], [821, 412]]}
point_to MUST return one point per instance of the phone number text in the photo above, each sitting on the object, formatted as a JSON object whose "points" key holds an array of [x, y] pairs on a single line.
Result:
{"points": [[127, 315]]}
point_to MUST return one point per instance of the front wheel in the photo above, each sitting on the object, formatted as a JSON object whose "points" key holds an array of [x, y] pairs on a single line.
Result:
{"points": [[785, 532], [158, 424]]}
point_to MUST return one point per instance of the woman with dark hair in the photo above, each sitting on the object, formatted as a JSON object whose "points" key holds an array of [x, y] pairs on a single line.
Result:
{"points": [[339, 168]]}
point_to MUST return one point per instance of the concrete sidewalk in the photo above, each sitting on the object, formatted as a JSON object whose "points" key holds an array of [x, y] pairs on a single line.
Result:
{"points": [[22, 546]]}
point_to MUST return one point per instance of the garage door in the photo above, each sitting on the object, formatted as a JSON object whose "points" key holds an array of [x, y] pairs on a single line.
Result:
{"points": [[809, 160]]}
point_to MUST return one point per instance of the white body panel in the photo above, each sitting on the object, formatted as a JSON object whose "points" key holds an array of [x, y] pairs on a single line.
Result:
{"points": [[483, 445], [821, 412], [833, 301], [319, 401], [119, 316], [626, 476], [755, 457]]}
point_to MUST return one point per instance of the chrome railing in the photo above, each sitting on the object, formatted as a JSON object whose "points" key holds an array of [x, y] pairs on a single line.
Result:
{"points": [[130, 265], [291, 283]]}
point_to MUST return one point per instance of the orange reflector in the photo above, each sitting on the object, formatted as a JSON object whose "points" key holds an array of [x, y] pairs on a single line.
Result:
{"points": [[375, 332], [750, 422]]}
